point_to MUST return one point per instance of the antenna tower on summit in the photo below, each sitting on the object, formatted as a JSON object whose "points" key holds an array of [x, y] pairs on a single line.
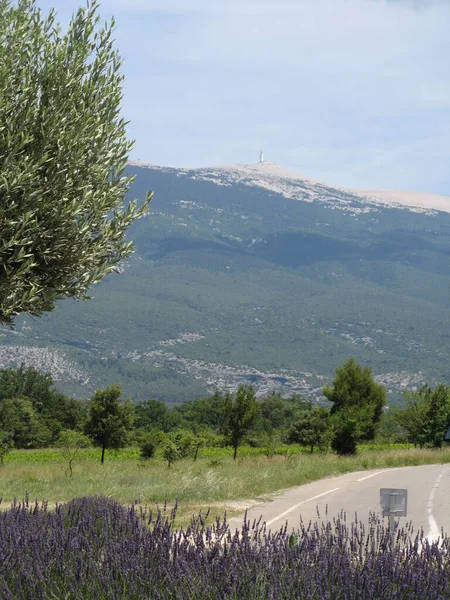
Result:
{"points": [[261, 157]]}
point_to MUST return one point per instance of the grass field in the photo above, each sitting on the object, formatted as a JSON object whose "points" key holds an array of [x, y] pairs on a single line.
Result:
{"points": [[212, 481]]}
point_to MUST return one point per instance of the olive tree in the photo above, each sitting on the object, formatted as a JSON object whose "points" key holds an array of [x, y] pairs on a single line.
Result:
{"points": [[311, 428], [110, 419], [70, 444], [63, 152], [170, 452]]}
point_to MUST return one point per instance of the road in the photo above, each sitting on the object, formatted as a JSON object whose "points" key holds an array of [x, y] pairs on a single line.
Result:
{"points": [[428, 499]]}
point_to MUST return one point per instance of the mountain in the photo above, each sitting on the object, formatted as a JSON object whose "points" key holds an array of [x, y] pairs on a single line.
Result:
{"points": [[255, 273]]}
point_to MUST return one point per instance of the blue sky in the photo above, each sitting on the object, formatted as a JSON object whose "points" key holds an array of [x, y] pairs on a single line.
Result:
{"points": [[355, 92]]}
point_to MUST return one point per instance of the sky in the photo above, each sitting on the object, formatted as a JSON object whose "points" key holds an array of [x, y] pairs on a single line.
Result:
{"points": [[352, 92]]}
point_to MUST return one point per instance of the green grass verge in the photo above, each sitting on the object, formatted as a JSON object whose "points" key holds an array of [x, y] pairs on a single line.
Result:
{"points": [[210, 481]]}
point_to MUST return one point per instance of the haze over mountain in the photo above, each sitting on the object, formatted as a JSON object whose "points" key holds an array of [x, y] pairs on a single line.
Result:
{"points": [[255, 273]]}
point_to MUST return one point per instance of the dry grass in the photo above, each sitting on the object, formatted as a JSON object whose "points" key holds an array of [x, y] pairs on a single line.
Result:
{"points": [[216, 483]]}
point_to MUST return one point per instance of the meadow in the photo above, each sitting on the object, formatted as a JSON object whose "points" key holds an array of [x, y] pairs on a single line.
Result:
{"points": [[213, 481]]}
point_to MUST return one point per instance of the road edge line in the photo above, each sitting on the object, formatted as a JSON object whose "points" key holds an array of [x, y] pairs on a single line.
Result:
{"points": [[286, 512]]}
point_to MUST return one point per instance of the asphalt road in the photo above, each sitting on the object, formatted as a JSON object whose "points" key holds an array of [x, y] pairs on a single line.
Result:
{"points": [[428, 499]]}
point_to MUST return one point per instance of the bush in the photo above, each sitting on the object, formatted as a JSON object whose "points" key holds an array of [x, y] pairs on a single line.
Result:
{"points": [[148, 447]]}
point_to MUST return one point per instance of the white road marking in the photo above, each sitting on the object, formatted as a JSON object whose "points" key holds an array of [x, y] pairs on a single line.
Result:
{"points": [[369, 476], [433, 532], [378, 473], [286, 512]]}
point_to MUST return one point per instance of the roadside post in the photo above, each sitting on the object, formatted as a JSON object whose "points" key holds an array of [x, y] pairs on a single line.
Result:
{"points": [[394, 503]]}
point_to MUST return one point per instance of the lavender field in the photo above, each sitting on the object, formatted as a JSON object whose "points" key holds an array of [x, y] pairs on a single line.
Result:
{"points": [[96, 548]]}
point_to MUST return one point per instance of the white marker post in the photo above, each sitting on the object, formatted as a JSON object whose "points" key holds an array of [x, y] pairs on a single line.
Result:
{"points": [[394, 503]]}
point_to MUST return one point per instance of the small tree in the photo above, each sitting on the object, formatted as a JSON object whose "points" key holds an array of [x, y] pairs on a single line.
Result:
{"points": [[170, 452], [241, 412], [63, 150], [426, 415], [199, 440], [70, 443], [311, 429], [110, 419], [183, 440], [354, 388]]}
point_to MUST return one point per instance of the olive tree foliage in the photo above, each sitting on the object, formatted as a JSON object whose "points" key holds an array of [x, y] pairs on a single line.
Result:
{"points": [[63, 151]]}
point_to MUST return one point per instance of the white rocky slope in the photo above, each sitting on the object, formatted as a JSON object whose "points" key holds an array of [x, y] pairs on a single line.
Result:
{"points": [[296, 186]]}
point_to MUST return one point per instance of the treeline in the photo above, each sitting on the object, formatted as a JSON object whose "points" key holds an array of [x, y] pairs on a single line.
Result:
{"points": [[34, 415]]}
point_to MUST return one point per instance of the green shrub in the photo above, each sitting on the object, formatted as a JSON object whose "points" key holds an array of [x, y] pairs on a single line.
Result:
{"points": [[148, 447]]}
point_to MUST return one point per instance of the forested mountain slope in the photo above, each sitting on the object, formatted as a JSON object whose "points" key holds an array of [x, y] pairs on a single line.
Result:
{"points": [[256, 274]]}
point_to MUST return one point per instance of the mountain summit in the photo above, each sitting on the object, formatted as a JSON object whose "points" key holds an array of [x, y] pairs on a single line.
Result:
{"points": [[296, 186]]}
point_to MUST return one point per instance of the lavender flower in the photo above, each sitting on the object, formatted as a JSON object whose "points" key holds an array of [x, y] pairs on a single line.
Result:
{"points": [[94, 548]]}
